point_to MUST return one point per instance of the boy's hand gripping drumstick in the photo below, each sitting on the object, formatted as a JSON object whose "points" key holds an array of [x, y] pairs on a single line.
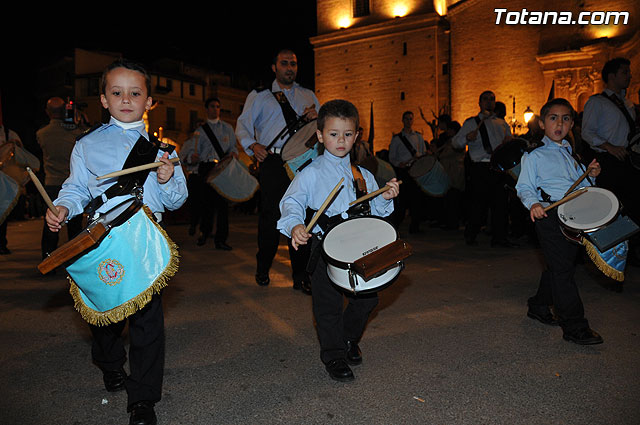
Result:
{"points": [[136, 169], [323, 206], [372, 194]]}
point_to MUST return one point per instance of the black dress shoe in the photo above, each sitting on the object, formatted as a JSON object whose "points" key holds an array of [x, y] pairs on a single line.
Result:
{"points": [[303, 285], [5, 251], [543, 314], [504, 244], [201, 240], [339, 370], [114, 379], [262, 279], [354, 355], [585, 336], [223, 246], [142, 413]]}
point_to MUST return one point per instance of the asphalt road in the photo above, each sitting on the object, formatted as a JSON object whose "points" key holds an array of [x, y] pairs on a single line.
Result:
{"points": [[448, 344]]}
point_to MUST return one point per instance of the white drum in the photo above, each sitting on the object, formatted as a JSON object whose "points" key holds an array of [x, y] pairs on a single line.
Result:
{"points": [[232, 180], [353, 239], [590, 211]]}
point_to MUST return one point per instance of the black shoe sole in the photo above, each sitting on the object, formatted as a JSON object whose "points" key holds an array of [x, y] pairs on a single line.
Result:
{"points": [[594, 341], [354, 362], [542, 320]]}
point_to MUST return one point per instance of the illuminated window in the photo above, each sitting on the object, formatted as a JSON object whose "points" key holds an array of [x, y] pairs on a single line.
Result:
{"points": [[361, 8]]}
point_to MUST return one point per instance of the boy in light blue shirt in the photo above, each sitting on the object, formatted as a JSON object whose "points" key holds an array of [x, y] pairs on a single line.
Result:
{"points": [[546, 175], [338, 331]]}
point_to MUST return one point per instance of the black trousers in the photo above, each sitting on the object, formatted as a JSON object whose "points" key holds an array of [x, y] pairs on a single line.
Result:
{"points": [[214, 206], [146, 351], [274, 182], [411, 198], [194, 203], [557, 285], [3, 233], [336, 324], [49, 240], [487, 194]]}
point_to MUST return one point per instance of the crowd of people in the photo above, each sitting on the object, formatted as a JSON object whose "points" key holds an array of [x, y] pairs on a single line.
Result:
{"points": [[450, 181]]}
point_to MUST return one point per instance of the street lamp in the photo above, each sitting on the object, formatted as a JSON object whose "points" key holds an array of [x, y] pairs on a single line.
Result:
{"points": [[528, 114]]}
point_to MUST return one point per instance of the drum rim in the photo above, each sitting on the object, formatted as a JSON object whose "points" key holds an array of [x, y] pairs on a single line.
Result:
{"points": [[611, 195], [399, 264], [426, 156], [283, 148], [126, 214], [342, 264]]}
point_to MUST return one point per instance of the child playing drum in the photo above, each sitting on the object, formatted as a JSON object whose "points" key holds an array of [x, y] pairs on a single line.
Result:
{"points": [[547, 173], [338, 331], [126, 94]]}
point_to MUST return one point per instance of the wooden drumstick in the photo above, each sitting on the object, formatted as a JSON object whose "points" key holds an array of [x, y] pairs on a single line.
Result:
{"points": [[577, 182], [565, 199], [323, 206], [137, 168], [43, 192], [372, 194]]}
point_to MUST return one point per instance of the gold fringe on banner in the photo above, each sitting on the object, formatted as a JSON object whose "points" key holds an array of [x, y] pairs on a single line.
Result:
{"points": [[128, 308], [600, 263]]}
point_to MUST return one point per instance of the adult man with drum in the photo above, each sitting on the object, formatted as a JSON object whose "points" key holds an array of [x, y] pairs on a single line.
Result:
{"points": [[483, 133], [608, 126], [265, 115], [216, 140], [405, 147], [57, 140]]}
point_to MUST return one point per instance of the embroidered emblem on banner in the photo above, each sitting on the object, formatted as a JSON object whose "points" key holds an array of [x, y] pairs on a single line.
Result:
{"points": [[110, 271]]}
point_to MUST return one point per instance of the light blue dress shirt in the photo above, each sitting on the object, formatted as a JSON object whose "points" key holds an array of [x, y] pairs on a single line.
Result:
{"points": [[314, 183], [551, 168], [225, 135], [103, 151], [262, 120]]}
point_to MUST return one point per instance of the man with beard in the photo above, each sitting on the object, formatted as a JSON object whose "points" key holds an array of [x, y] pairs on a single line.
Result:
{"points": [[266, 113]]}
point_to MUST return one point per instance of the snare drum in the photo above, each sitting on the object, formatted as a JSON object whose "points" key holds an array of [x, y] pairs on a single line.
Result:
{"points": [[356, 238], [232, 180], [133, 261], [430, 175], [595, 215], [507, 156], [301, 148], [9, 195]]}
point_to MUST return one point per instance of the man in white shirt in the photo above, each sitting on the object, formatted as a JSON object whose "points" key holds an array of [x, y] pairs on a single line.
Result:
{"points": [[483, 133], [608, 125]]}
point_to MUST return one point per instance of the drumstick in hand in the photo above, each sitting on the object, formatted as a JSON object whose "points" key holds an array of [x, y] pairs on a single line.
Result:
{"points": [[565, 199], [136, 169], [43, 192], [372, 194], [323, 206], [577, 182]]}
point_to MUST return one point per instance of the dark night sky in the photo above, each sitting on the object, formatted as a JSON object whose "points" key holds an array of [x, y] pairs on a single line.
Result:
{"points": [[238, 38]]}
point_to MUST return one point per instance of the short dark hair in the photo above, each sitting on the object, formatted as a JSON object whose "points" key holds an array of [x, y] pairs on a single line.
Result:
{"points": [[612, 66], [274, 59], [557, 101], [405, 113], [483, 93], [209, 100], [338, 108], [128, 64]]}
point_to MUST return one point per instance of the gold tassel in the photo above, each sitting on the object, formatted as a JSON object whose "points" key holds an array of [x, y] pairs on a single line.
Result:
{"points": [[138, 302], [600, 263]]}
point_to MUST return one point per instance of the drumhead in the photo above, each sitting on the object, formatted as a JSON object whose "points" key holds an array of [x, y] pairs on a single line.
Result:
{"points": [[356, 237], [589, 211], [299, 142], [422, 166]]}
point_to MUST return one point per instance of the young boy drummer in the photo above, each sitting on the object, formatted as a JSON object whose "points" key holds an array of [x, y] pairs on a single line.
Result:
{"points": [[126, 94], [546, 175], [338, 331]]}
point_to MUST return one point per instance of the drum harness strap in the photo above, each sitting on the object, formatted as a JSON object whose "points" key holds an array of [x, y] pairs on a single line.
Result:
{"points": [[143, 152], [290, 117], [205, 167], [407, 144], [618, 102], [484, 135]]}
